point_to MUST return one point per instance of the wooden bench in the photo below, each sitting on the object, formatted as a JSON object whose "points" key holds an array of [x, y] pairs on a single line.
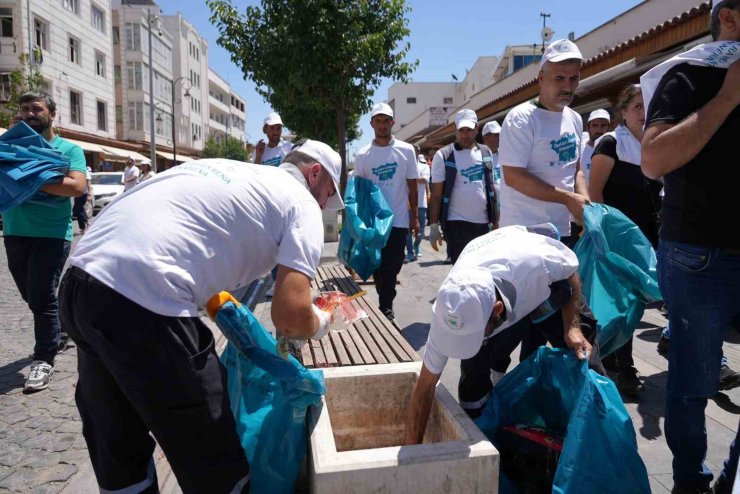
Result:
{"points": [[373, 340]]}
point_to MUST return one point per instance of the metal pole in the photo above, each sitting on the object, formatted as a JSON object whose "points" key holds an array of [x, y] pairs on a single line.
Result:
{"points": [[174, 141], [152, 132]]}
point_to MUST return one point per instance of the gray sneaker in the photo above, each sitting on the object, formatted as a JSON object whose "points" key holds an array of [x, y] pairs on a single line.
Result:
{"points": [[39, 376]]}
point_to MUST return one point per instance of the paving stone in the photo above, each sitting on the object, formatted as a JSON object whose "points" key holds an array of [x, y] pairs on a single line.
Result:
{"points": [[42, 459], [60, 444], [12, 455], [51, 488], [29, 478]]}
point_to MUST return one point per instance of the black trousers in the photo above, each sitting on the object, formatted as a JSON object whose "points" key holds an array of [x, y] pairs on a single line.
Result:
{"points": [[141, 372], [36, 264], [475, 373], [78, 211], [391, 262], [458, 233]]}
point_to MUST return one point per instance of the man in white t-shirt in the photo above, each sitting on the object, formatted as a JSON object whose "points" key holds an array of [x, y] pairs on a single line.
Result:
{"points": [[500, 279], [276, 149], [491, 133], [422, 184], [130, 174], [598, 125], [391, 165], [540, 145], [463, 197], [131, 300]]}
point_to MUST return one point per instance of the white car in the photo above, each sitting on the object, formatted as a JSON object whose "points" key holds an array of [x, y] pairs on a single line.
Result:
{"points": [[106, 186]]}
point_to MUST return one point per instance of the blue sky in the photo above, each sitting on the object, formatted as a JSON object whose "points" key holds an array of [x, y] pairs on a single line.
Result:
{"points": [[446, 37]]}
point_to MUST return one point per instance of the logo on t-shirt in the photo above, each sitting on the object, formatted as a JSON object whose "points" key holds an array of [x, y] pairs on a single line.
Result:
{"points": [[275, 161], [473, 173], [385, 172], [566, 148]]}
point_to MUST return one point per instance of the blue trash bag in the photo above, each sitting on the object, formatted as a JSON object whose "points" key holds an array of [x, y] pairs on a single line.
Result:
{"points": [[618, 269], [27, 163], [367, 226], [269, 398], [552, 389]]}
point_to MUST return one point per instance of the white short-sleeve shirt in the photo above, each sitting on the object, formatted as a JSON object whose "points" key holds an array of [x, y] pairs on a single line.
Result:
{"points": [[389, 167], [199, 228], [275, 156], [528, 261], [548, 145], [468, 199], [587, 152], [128, 173], [424, 174]]}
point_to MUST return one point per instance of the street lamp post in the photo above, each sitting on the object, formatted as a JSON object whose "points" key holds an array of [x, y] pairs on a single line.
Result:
{"points": [[152, 133]]}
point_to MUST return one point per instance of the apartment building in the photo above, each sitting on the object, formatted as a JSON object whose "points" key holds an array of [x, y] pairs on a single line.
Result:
{"points": [[227, 110], [69, 43]]}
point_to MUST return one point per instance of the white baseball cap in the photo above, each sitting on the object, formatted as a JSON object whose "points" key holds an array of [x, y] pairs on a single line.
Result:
{"points": [[600, 113], [273, 118], [466, 118], [421, 159], [560, 51], [381, 109], [491, 127], [463, 307], [332, 163]]}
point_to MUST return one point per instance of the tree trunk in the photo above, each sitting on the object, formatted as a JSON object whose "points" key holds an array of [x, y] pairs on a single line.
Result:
{"points": [[341, 142]]}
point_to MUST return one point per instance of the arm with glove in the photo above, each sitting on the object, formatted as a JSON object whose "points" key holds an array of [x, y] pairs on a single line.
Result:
{"points": [[435, 209]]}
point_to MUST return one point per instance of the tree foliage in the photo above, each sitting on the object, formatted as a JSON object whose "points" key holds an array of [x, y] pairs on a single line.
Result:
{"points": [[317, 62], [230, 148], [21, 80]]}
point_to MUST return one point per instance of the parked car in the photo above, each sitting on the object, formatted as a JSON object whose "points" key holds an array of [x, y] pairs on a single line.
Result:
{"points": [[106, 186]]}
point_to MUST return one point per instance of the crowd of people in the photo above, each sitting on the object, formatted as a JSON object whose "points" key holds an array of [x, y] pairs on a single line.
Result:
{"points": [[508, 201]]}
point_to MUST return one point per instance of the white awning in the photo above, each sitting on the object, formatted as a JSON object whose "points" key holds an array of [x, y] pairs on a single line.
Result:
{"points": [[88, 146], [123, 153], [169, 156]]}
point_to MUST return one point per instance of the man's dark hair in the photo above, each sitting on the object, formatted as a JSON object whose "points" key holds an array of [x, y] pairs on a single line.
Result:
{"points": [[37, 95], [714, 24]]}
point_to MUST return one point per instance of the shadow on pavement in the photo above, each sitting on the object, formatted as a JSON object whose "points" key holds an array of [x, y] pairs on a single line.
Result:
{"points": [[425, 264], [725, 403], [650, 405], [416, 334], [11, 377]]}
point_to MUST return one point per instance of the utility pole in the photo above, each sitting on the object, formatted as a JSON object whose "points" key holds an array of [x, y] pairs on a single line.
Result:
{"points": [[152, 132], [544, 25]]}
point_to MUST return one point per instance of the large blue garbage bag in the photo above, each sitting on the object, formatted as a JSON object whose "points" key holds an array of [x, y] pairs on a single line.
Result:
{"points": [[552, 389], [269, 397], [367, 226], [28, 162], [618, 269]]}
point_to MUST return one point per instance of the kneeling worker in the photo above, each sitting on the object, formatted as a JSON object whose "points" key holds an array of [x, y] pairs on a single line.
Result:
{"points": [[131, 299], [499, 279]]}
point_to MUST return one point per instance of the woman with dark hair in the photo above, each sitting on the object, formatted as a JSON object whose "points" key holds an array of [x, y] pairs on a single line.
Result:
{"points": [[617, 181]]}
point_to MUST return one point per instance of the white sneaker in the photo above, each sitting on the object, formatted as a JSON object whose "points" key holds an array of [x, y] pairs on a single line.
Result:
{"points": [[39, 376], [270, 292]]}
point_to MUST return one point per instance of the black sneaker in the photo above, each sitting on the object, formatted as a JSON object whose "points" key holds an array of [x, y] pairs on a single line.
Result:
{"points": [[628, 381], [728, 378], [389, 314], [65, 343], [39, 376], [663, 344], [677, 489], [721, 486]]}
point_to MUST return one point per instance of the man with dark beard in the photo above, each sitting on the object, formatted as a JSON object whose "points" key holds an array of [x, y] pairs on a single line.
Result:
{"points": [[38, 235]]}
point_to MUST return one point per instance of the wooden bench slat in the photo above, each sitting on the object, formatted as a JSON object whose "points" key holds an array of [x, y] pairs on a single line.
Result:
{"points": [[364, 330], [331, 358], [393, 350], [354, 354], [318, 353], [342, 355], [367, 357], [393, 332], [306, 357], [341, 278]]}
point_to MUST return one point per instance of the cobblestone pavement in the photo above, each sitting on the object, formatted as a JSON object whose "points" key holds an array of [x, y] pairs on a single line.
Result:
{"points": [[41, 445]]}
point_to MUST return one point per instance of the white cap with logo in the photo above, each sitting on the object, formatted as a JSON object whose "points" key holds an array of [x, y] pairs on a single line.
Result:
{"points": [[560, 51], [491, 127], [600, 113], [466, 119], [381, 109], [421, 159], [273, 118], [332, 163], [463, 307]]}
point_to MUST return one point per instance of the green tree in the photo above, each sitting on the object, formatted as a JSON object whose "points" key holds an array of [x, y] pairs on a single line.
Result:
{"points": [[231, 148], [318, 62], [21, 80]]}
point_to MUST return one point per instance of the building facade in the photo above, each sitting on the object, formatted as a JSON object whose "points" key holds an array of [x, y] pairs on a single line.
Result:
{"points": [[227, 110], [69, 43]]}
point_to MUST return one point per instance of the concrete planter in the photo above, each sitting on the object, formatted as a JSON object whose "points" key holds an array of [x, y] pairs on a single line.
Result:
{"points": [[356, 436], [331, 226]]}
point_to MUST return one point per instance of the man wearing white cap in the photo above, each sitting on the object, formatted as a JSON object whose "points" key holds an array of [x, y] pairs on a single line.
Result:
{"points": [[597, 126], [499, 279], [391, 165], [131, 300], [691, 131], [540, 146], [276, 149], [463, 201], [491, 134], [422, 184]]}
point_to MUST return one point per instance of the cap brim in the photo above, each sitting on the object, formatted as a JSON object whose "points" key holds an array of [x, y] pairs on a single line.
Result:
{"points": [[466, 124], [274, 122], [335, 202], [460, 346], [562, 57]]}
